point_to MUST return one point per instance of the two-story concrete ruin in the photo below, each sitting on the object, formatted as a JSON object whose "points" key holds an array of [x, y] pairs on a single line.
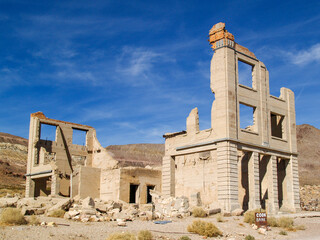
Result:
{"points": [[233, 165], [62, 167]]}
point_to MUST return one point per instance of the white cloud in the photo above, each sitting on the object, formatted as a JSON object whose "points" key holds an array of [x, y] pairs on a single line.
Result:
{"points": [[307, 56]]}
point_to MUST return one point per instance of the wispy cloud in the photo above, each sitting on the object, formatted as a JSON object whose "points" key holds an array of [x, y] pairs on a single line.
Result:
{"points": [[307, 56]]}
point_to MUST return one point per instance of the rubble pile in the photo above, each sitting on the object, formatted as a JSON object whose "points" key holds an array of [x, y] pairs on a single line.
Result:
{"points": [[97, 210], [310, 198]]}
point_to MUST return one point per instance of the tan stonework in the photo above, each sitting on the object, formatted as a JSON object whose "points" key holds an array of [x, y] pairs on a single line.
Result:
{"points": [[61, 168], [249, 167]]}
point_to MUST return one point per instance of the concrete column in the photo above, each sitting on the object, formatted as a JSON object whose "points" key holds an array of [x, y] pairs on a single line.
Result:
{"points": [[254, 188], [292, 200], [55, 185], [29, 187], [227, 172], [168, 176], [273, 203]]}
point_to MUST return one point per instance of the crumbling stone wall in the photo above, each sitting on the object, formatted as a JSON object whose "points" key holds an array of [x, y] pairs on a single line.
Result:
{"points": [[255, 165]]}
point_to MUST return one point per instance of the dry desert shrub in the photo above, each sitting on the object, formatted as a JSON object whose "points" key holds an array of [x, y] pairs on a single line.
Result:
{"points": [[283, 233], [57, 213], [12, 216], [184, 238], [249, 237], [144, 235], [203, 228], [285, 222], [249, 216], [198, 212], [122, 236], [33, 220], [272, 222]]}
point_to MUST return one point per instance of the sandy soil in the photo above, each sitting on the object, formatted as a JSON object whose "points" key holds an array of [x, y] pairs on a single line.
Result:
{"points": [[233, 228]]}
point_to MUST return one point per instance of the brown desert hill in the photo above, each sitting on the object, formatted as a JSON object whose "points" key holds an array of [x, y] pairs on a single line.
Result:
{"points": [[308, 141], [138, 154], [13, 156], [13, 160]]}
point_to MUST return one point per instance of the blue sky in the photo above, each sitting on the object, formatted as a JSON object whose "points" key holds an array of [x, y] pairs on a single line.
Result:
{"points": [[135, 69]]}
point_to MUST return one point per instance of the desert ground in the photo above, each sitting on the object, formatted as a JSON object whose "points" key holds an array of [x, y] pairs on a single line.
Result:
{"points": [[233, 228]]}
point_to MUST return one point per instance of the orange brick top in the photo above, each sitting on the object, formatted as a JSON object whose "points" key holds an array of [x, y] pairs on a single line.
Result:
{"points": [[218, 32]]}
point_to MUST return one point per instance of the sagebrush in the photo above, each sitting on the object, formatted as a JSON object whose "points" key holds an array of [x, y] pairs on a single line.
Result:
{"points": [[203, 228], [57, 213], [12, 216], [198, 212], [122, 236], [144, 235]]}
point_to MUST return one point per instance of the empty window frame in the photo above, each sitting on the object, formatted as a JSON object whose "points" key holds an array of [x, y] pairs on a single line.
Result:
{"points": [[48, 132], [133, 193], [79, 137], [247, 117], [149, 197], [277, 128], [245, 74]]}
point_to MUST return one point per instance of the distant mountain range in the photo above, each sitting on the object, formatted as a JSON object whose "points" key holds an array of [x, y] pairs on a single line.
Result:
{"points": [[13, 156]]}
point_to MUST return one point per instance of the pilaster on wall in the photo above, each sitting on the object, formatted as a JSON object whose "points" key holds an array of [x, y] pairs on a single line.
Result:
{"points": [[227, 172], [168, 176], [273, 204], [293, 184], [254, 182]]}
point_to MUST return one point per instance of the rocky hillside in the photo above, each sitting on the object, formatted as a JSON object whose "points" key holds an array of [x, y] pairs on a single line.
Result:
{"points": [[13, 156], [13, 160], [308, 140]]}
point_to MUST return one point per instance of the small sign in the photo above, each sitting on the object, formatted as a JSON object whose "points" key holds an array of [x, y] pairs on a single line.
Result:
{"points": [[261, 219]]}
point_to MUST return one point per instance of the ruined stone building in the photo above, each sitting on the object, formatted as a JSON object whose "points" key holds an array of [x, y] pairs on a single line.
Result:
{"points": [[231, 165], [61, 167]]}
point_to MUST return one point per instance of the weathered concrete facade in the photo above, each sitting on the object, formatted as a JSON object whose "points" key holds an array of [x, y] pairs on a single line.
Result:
{"points": [[60, 167], [232, 166]]}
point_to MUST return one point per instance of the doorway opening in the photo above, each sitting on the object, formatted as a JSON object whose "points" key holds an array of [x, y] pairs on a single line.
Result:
{"points": [[133, 193]]}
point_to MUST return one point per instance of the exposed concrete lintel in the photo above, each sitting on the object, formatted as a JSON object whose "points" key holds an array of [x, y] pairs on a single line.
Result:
{"points": [[38, 173], [235, 141]]}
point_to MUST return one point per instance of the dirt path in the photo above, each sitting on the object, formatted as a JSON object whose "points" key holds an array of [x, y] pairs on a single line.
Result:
{"points": [[233, 228]]}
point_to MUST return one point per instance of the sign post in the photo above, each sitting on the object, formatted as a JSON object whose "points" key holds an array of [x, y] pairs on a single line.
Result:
{"points": [[261, 219]]}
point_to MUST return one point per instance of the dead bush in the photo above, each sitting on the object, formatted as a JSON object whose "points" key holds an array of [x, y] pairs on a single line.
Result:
{"points": [[144, 235], [285, 222], [283, 233], [249, 216], [184, 238], [122, 236], [57, 213], [249, 237], [198, 212], [12, 216], [272, 222], [206, 229], [33, 220]]}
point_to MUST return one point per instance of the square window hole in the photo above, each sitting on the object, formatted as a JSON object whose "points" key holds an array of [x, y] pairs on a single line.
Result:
{"points": [[48, 132], [277, 125], [247, 117], [245, 74], [79, 137]]}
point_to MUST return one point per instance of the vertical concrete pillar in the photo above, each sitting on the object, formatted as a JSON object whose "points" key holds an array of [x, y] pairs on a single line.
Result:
{"points": [[254, 188], [292, 200], [227, 172], [273, 203], [168, 176], [55, 185], [29, 187]]}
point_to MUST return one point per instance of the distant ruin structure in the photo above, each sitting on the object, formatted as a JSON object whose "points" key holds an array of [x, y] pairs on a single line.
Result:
{"points": [[236, 165], [62, 167]]}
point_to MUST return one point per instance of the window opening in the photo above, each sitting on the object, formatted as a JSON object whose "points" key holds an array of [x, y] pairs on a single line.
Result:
{"points": [[247, 117], [149, 197], [133, 193], [245, 71], [79, 137], [277, 125], [48, 132]]}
